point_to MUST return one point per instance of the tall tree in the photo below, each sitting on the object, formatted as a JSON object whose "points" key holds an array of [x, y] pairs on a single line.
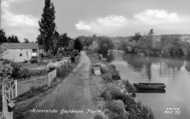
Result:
{"points": [[47, 27], [2, 36]]}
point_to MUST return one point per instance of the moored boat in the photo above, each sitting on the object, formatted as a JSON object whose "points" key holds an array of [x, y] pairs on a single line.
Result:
{"points": [[150, 86]]}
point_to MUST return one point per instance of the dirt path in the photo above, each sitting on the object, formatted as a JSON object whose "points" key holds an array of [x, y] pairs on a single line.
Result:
{"points": [[73, 94]]}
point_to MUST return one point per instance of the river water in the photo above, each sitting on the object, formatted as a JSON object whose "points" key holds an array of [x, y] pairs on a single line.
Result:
{"points": [[175, 102]]}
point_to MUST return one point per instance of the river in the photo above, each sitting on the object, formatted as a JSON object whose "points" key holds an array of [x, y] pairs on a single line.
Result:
{"points": [[175, 102]]}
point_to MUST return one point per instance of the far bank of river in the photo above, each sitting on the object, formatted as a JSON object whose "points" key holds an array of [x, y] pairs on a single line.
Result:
{"points": [[175, 103]]}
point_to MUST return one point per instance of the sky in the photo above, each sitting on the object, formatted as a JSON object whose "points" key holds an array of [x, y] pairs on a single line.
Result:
{"points": [[100, 17]]}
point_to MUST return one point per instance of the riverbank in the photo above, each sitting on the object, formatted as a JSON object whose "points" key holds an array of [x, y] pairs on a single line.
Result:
{"points": [[173, 104], [116, 97]]}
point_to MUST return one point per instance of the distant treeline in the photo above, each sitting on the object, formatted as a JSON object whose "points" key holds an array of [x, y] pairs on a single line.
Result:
{"points": [[4, 38], [177, 46], [163, 46]]}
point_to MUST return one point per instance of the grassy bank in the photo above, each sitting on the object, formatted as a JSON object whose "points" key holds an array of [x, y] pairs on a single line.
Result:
{"points": [[116, 96]]}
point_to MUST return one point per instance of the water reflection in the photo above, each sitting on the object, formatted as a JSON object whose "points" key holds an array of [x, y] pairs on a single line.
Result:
{"points": [[174, 73], [148, 64]]}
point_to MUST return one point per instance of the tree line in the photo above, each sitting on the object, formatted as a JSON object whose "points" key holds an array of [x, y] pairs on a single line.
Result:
{"points": [[10, 39], [162, 46]]}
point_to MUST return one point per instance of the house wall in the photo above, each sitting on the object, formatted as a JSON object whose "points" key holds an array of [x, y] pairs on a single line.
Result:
{"points": [[18, 55]]}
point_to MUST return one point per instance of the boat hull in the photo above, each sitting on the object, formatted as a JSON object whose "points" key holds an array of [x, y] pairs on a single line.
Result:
{"points": [[151, 87]]}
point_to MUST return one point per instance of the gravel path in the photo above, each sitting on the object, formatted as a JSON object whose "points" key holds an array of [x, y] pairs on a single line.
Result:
{"points": [[73, 94]]}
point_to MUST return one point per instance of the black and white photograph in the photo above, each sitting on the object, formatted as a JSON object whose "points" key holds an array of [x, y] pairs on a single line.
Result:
{"points": [[94, 59]]}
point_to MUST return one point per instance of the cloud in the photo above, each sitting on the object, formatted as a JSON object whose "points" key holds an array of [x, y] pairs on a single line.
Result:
{"points": [[17, 24], [83, 26], [157, 17], [18, 20], [149, 18], [106, 25]]}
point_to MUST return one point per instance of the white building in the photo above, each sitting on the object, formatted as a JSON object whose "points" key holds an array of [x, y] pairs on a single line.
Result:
{"points": [[18, 52]]}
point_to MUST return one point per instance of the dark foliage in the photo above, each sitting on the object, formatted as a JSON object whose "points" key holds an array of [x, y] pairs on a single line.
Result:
{"points": [[47, 27], [2, 36], [64, 41], [13, 39], [9, 39], [98, 116], [26, 40], [78, 45], [105, 44]]}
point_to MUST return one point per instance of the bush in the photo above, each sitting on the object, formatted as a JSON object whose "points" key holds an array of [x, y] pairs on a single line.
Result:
{"points": [[116, 110], [98, 116], [105, 44], [116, 106], [129, 87], [110, 73], [107, 77], [112, 92], [122, 106]]}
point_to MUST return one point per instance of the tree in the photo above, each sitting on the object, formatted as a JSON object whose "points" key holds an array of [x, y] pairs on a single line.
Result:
{"points": [[78, 45], [137, 37], [47, 27], [26, 40], [64, 41], [105, 44], [2, 36], [13, 39], [151, 32]]}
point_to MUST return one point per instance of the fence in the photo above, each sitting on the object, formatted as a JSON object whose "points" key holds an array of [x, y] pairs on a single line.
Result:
{"points": [[25, 86], [9, 92], [51, 76], [39, 81], [13, 88]]}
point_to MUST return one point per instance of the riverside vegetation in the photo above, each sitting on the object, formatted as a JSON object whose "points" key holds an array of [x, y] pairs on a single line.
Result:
{"points": [[119, 103], [116, 95]]}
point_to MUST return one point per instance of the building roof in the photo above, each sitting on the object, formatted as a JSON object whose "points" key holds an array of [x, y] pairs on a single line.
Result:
{"points": [[19, 46]]}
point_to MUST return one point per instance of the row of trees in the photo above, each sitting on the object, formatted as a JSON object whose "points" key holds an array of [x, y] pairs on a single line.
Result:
{"points": [[4, 38]]}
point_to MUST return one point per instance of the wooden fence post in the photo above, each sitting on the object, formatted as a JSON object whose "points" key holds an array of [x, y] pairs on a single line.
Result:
{"points": [[9, 92]]}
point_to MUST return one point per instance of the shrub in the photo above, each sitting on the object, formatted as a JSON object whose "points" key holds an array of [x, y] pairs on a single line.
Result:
{"points": [[129, 87], [110, 73], [98, 116], [105, 44], [5, 70], [107, 77], [116, 106], [112, 92], [116, 110], [122, 106]]}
